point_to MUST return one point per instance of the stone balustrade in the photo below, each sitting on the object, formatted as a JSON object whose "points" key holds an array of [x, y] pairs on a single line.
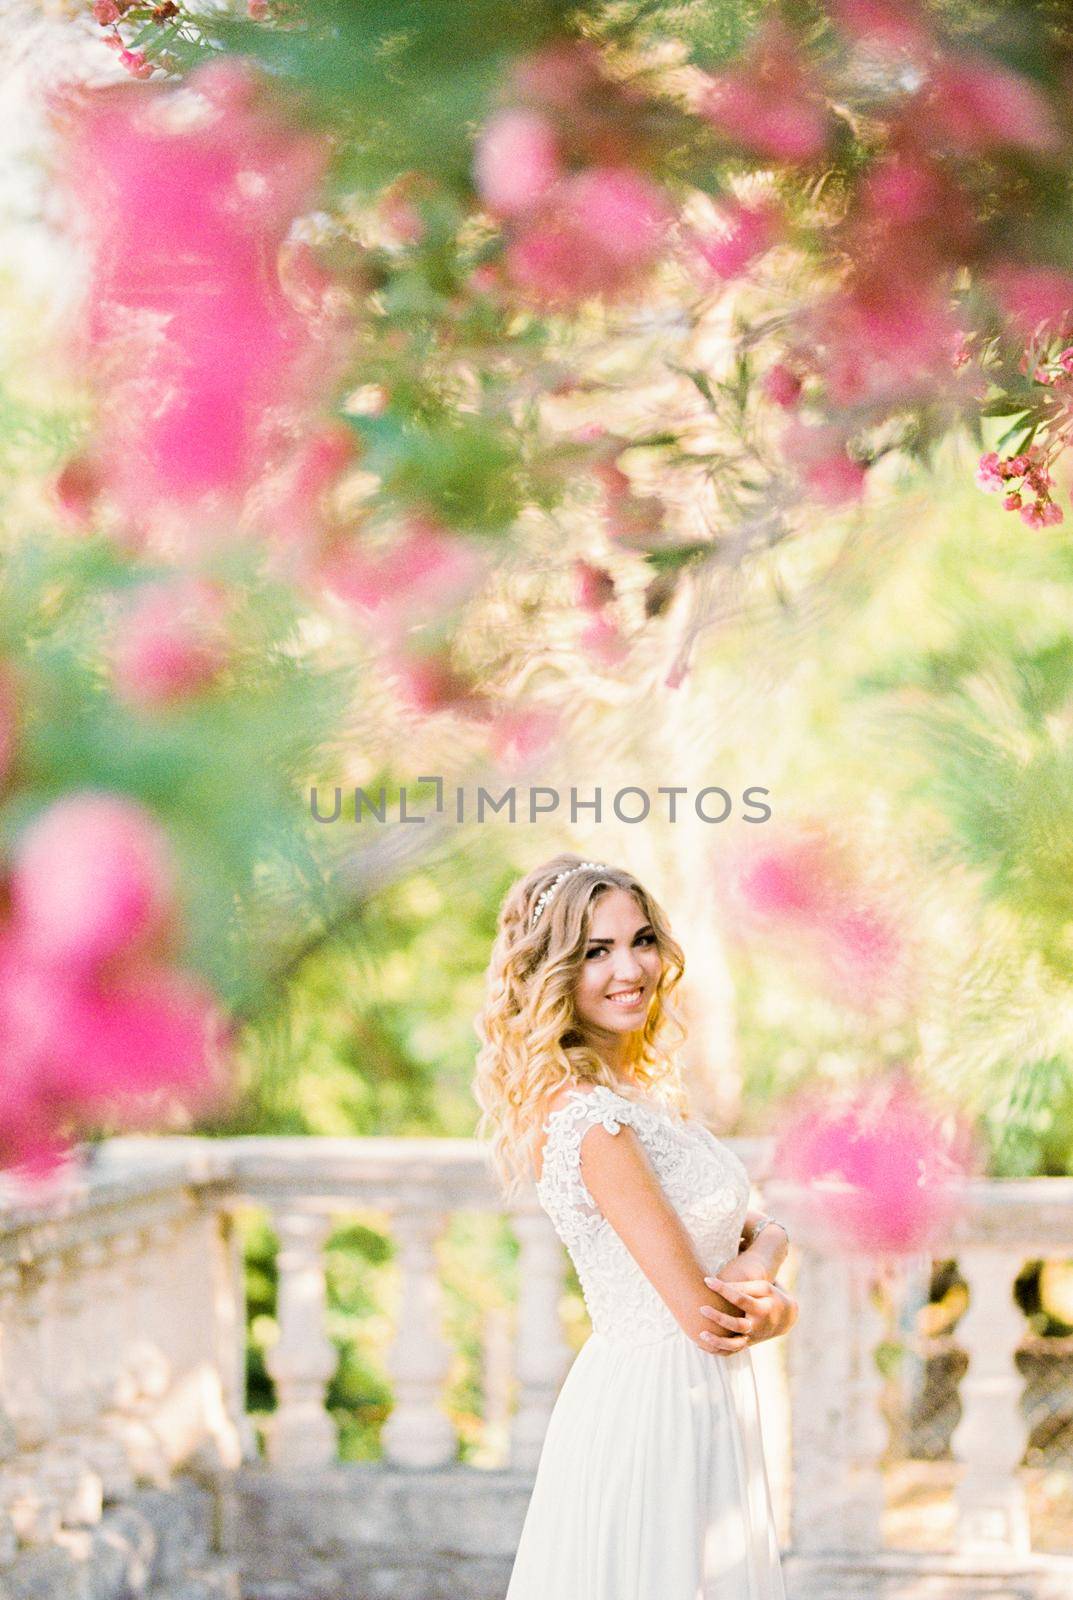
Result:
{"points": [[122, 1326]]}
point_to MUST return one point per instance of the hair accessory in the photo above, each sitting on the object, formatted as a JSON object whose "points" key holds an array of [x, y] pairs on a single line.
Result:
{"points": [[595, 866]]}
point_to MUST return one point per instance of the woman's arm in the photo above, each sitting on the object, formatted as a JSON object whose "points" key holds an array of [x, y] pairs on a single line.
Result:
{"points": [[620, 1179], [769, 1250]]}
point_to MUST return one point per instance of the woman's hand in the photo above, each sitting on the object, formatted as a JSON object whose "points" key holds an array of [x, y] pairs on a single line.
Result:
{"points": [[763, 1310]]}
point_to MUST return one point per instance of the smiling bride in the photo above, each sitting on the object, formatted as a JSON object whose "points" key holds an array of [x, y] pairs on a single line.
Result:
{"points": [[651, 1483]]}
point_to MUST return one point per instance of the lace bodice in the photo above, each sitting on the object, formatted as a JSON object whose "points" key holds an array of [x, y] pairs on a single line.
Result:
{"points": [[704, 1181]]}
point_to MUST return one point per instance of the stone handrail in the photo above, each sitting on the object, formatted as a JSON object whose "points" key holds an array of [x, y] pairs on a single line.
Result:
{"points": [[122, 1328]]}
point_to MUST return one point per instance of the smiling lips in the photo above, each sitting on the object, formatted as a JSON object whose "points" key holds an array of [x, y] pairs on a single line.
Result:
{"points": [[627, 999]]}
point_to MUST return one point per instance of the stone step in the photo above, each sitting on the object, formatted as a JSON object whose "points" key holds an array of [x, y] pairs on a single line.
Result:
{"points": [[140, 1550], [219, 1580]]}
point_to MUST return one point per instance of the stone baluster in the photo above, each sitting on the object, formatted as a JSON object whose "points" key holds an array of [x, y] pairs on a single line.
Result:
{"points": [[992, 1516], [418, 1433], [303, 1360], [835, 1415], [101, 1334], [76, 1486], [541, 1352], [229, 1298], [31, 1501]]}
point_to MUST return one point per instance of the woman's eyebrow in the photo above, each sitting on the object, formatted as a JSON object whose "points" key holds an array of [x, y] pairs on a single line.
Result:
{"points": [[646, 927]]}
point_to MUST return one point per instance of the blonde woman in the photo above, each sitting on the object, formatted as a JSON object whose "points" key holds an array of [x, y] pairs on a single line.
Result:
{"points": [[651, 1483]]}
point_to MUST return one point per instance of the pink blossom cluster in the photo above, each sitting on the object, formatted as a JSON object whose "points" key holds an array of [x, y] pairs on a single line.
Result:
{"points": [[563, 169], [886, 333], [95, 1015], [171, 643], [770, 102], [196, 347], [1025, 483], [802, 887], [876, 1168]]}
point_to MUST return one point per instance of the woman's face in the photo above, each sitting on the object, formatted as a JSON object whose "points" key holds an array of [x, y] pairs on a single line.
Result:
{"points": [[620, 967]]}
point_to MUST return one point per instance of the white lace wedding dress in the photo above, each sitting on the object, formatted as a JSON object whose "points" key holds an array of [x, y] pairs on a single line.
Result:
{"points": [[651, 1483]]}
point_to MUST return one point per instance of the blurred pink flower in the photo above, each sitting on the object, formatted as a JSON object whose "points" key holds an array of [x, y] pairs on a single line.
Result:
{"points": [[561, 75], [171, 644], [424, 572], [594, 587], [519, 734], [91, 878], [78, 486], [155, 1028], [76, 1048], [769, 100], [429, 681], [782, 385], [603, 642], [516, 162], [898, 24], [978, 105], [744, 233], [803, 889], [193, 338], [596, 233], [878, 1169], [819, 454], [106, 12], [1033, 297]]}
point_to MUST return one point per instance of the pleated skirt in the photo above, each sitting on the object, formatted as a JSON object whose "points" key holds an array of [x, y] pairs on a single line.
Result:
{"points": [[651, 1483]]}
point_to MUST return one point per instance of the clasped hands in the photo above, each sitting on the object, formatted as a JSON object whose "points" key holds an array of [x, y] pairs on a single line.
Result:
{"points": [[759, 1308]]}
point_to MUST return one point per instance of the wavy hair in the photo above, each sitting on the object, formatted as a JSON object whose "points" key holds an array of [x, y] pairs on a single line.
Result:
{"points": [[531, 1040]]}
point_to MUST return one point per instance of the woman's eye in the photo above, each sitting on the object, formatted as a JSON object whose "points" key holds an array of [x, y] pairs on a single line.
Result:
{"points": [[595, 951], [648, 938]]}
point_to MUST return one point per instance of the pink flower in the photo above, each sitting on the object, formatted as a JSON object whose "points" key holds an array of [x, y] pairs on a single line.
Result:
{"points": [[92, 878], [106, 12], [424, 572], [78, 487], [257, 10], [517, 161], [153, 1029], [429, 681], [1012, 502], [594, 587], [897, 24], [1032, 297], [560, 76], [171, 645], [819, 454], [745, 233], [186, 325], [517, 735], [769, 102], [1033, 515], [596, 234], [782, 385], [137, 63], [989, 474], [603, 642], [875, 1169], [1065, 360], [1052, 514], [978, 105]]}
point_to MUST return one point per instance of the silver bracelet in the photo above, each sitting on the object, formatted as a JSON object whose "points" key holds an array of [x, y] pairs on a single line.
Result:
{"points": [[758, 1230]]}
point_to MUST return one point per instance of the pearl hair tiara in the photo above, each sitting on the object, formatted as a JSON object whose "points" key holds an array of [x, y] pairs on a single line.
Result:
{"points": [[595, 866]]}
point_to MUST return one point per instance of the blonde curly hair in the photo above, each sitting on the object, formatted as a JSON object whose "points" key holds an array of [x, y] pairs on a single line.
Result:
{"points": [[531, 1040]]}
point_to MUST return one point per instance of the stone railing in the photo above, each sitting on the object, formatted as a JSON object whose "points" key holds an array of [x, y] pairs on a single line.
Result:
{"points": [[122, 1334]]}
